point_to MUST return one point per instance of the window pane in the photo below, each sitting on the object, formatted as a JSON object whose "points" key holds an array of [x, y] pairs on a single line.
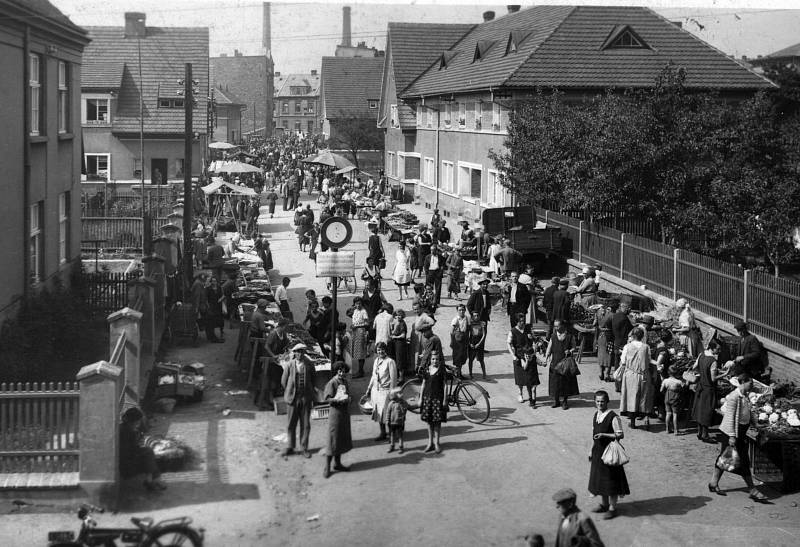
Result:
{"points": [[475, 183]]}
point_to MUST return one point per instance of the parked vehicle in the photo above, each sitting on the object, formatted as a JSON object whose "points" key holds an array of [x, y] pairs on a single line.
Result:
{"points": [[535, 240], [146, 532]]}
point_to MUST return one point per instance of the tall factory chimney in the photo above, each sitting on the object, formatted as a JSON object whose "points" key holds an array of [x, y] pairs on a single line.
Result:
{"points": [[346, 27], [267, 30]]}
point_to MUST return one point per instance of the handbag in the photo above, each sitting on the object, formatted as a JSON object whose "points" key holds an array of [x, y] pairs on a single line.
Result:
{"points": [[614, 455], [567, 367], [729, 460], [618, 373]]}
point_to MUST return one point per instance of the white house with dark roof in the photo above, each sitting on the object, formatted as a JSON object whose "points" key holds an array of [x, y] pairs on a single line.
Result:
{"points": [[296, 104], [461, 98], [111, 89]]}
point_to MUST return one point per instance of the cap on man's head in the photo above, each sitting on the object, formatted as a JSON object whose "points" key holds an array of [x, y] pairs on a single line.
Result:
{"points": [[563, 283], [555, 280], [262, 303], [740, 325], [565, 494]]}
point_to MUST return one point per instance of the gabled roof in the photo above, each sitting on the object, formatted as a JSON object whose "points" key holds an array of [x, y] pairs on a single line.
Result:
{"points": [[348, 83], [565, 50], [223, 96], [165, 50], [285, 83], [44, 10], [791, 51]]}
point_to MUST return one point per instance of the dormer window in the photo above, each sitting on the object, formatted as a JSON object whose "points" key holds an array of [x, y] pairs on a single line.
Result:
{"points": [[515, 39], [482, 48], [445, 59], [624, 37]]}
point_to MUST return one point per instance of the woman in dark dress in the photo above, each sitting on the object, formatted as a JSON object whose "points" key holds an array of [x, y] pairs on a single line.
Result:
{"points": [[608, 482], [432, 410], [516, 342], [213, 316], [705, 399], [562, 344], [339, 441], [399, 345], [459, 337]]}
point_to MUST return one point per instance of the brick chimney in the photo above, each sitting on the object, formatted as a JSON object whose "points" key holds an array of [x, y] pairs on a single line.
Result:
{"points": [[134, 25], [488, 16], [514, 8], [266, 29], [346, 27]]}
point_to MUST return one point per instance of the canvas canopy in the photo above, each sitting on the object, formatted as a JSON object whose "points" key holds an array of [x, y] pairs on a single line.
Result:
{"points": [[232, 189]]}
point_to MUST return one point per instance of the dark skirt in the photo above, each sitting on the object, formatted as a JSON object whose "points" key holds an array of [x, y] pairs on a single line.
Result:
{"points": [[605, 480], [339, 438], [562, 386], [459, 348], [741, 447], [704, 403], [400, 354], [431, 411], [523, 377]]}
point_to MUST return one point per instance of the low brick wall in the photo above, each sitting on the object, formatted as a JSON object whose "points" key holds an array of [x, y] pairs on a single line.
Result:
{"points": [[784, 361]]}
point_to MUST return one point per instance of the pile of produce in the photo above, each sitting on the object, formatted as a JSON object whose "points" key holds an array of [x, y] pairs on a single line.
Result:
{"points": [[776, 415], [299, 335], [579, 314], [171, 454], [402, 220]]}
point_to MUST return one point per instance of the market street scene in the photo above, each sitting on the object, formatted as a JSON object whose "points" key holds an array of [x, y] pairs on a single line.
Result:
{"points": [[390, 274]]}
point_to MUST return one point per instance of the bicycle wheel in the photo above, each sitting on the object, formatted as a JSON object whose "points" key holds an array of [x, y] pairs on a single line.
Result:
{"points": [[472, 402], [174, 536], [411, 392]]}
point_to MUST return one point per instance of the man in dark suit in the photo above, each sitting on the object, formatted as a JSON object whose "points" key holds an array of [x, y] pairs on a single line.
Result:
{"points": [[621, 327], [298, 386], [518, 298], [480, 301], [434, 270], [547, 302], [562, 301], [508, 258], [748, 354]]}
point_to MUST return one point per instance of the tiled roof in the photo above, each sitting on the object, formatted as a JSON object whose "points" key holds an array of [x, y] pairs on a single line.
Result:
{"points": [[165, 50], [223, 96], [45, 9], [348, 83], [416, 46], [284, 83], [564, 49], [791, 51], [101, 75], [247, 76]]}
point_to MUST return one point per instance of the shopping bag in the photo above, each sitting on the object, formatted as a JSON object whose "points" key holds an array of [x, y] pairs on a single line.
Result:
{"points": [[618, 374], [614, 455], [729, 460], [567, 367]]}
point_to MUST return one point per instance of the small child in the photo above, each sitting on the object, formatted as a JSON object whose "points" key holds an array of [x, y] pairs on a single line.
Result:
{"points": [[672, 388], [395, 416]]}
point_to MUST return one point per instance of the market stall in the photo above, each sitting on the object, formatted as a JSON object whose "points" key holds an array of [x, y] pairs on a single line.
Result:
{"points": [[220, 197]]}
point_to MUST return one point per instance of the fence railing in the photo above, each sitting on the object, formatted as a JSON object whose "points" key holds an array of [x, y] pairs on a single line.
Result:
{"points": [[39, 428], [721, 289], [117, 232], [106, 292]]}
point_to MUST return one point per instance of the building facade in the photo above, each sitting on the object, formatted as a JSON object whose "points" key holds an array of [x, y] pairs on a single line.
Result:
{"points": [[132, 103], [350, 93], [251, 79], [226, 121], [296, 103], [40, 56], [440, 128]]}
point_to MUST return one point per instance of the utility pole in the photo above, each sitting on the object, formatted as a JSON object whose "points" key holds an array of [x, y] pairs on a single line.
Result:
{"points": [[188, 107]]}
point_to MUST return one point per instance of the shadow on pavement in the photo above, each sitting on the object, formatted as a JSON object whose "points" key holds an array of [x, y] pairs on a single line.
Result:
{"points": [[668, 505]]}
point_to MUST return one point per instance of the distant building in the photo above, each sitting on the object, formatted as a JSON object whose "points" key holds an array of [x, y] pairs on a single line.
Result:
{"points": [[227, 120], [350, 90], [787, 57], [460, 98], [40, 58], [111, 90], [250, 78], [297, 103], [346, 49]]}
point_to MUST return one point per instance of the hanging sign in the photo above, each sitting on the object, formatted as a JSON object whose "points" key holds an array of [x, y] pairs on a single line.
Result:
{"points": [[341, 264]]}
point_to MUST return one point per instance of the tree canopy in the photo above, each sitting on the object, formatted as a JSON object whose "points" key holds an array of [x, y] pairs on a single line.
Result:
{"points": [[693, 162]]}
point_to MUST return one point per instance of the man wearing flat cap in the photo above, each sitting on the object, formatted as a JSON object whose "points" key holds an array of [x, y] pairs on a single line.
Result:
{"points": [[749, 353], [562, 301], [575, 527], [298, 386], [480, 301]]}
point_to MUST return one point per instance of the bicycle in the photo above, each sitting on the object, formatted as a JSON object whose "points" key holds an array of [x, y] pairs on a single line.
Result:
{"points": [[147, 533], [471, 399]]}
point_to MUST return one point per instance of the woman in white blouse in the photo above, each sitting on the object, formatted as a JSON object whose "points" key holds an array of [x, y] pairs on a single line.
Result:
{"points": [[358, 341], [383, 379]]}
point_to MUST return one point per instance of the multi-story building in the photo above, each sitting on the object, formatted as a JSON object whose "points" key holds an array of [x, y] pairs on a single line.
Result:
{"points": [[296, 103], [226, 121], [132, 103], [442, 119], [40, 59], [250, 78], [350, 93]]}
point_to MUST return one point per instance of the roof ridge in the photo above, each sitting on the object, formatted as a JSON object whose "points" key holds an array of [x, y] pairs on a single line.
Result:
{"points": [[436, 60], [572, 11], [703, 42]]}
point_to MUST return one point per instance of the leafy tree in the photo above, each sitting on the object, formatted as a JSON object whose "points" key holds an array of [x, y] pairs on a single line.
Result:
{"points": [[354, 134]]}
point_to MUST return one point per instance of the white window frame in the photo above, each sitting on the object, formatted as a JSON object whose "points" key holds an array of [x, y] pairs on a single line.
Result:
{"points": [[462, 115], [372, 104], [85, 109], [465, 169], [428, 117], [36, 243], [496, 116], [63, 97], [448, 172], [478, 115], [401, 164], [108, 163], [35, 86], [495, 194], [394, 117], [63, 227], [429, 172], [448, 114], [391, 163]]}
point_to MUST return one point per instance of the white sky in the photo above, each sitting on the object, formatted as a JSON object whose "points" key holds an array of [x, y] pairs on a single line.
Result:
{"points": [[302, 33]]}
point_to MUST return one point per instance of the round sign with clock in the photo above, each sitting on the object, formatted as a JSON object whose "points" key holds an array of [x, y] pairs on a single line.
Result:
{"points": [[336, 232]]}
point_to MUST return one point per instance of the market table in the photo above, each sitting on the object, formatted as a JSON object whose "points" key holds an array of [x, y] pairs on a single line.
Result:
{"points": [[775, 459]]}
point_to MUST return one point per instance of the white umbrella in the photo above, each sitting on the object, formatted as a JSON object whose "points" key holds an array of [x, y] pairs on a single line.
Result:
{"points": [[222, 145], [238, 167]]}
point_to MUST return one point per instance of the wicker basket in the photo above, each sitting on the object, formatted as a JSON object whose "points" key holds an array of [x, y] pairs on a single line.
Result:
{"points": [[320, 412]]}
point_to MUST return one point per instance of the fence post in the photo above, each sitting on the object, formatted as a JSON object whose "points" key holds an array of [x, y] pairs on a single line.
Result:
{"points": [[621, 255], [547, 216], [580, 241], [745, 296], [145, 287], [128, 321], [154, 268], [675, 273], [99, 412]]}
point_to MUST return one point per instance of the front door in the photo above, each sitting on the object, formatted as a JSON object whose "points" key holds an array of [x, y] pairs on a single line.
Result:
{"points": [[158, 171]]}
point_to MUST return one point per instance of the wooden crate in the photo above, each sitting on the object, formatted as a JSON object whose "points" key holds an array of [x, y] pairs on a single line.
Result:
{"points": [[777, 461]]}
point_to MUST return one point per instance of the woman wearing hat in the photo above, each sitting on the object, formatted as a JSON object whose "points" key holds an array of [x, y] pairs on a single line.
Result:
{"points": [[383, 378], [339, 439]]}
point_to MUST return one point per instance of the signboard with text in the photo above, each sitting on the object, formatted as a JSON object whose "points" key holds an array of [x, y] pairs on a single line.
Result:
{"points": [[341, 264]]}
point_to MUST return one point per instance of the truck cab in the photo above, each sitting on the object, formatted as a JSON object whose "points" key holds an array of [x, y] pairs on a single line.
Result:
{"points": [[534, 239]]}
